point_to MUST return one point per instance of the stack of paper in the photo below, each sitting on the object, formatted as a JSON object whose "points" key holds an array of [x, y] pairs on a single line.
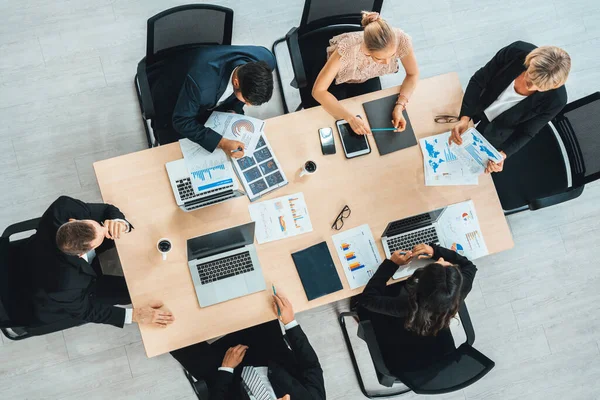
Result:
{"points": [[446, 164]]}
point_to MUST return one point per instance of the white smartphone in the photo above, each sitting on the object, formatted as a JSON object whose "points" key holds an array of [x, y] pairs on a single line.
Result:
{"points": [[354, 145]]}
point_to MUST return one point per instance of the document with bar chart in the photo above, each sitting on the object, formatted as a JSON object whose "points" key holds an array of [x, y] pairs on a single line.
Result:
{"points": [[280, 218], [475, 151], [458, 229], [358, 254], [442, 167]]}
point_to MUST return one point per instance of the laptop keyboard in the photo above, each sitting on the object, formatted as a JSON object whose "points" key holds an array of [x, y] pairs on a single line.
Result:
{"points": [[408, 240], [225, 267], [186, 191]]}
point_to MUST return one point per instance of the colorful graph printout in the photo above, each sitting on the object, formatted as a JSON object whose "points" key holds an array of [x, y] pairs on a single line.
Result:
{"points": [[358, 254], [237, 127], [458, 229], [280, 218]]}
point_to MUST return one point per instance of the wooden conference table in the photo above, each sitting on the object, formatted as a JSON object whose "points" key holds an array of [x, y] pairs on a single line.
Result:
{"points": [[378, 189]]}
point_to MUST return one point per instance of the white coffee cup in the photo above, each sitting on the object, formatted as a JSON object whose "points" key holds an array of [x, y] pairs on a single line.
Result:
{"points": [[309, 167], [164, 246]]}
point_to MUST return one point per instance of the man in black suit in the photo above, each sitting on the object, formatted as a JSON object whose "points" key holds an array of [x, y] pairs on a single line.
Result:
{"points": [[258, 361], [222, 78], [514, 95], [67, 281]]}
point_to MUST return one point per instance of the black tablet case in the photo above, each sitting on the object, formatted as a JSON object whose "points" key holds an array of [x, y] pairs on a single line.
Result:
{"points": [[379, 115], [317, 271]]}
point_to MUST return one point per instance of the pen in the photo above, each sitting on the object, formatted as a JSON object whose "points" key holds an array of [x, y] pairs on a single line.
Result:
{"points": [[382, 129], [275, 293], [236, 150]]}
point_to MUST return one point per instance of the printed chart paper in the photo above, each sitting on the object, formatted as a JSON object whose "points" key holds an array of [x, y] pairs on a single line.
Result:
{"points": [[475, 151], [207, 170], [441, 165], [280, 218], [459, 230], [237, 127], [358, 254]]}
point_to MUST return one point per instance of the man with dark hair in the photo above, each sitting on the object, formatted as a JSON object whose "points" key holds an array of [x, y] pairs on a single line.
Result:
{"points": [[67, 281], [222, 78]]}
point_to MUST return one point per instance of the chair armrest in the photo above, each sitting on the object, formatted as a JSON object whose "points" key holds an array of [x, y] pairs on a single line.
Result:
{"points": [[291, 39], [465, 319], [570, 194], [144, 91], [23, 226]]}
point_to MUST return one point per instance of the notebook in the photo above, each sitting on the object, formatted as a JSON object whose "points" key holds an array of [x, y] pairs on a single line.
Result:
{"points": [[317, 271], [379, 115]]}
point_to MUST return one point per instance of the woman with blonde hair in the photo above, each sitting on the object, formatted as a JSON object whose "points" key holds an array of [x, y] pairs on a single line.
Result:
{"points": [[355, 62], [514, 95]]}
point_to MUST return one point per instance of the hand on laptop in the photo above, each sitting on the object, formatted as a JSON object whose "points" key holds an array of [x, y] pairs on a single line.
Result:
{"points": [[234, 356], [401, 257], [154, 314], [423, 251], [230, 147], [287, 311]]}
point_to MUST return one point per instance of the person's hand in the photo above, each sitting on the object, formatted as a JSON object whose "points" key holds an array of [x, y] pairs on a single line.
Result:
{"points": [[401, 259], [230, 147], [423, 251], [234, 356], [359, 126], [458, 130], [113, 229], [398, 119], [287, 311], [496, 167], [154, 314]]}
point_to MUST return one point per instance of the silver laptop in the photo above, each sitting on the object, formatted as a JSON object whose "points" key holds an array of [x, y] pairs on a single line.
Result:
{"points": [[405, 233], [224, 265], [212, 193]]}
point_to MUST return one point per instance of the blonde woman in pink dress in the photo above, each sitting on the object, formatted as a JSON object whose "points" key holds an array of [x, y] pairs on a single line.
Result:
{"points": [[356, 59]]}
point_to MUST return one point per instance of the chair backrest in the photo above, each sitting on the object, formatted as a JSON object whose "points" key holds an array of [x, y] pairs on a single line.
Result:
{"points": [[579, 127], [458, 370], [188, 26], [319, 13]]}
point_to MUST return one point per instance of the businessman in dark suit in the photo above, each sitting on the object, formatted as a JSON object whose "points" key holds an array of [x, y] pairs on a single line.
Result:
{"points": [[66, 279], [514, 95], [257, 361], [222, 78]]}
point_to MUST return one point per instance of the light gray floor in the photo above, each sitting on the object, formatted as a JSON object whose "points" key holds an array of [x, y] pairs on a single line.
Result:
{"points": [[67, 100]]}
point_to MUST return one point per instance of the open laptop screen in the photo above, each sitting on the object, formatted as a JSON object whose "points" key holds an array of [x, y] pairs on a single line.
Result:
{"points": [[220, 242]]}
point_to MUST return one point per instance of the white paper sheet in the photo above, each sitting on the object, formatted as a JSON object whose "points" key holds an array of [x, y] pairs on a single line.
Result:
{"points": [[441, 164], [237, 127], [475, 151], [280, 218], [197, 158], [459, 230], [358, 254]]}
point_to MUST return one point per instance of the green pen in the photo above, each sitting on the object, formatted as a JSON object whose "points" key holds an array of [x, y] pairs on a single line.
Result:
{"points": [[275, 293]]}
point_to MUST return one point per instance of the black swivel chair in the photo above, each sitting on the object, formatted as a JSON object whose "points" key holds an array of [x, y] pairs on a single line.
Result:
{"points": [[307, 44], [454, 371], [557, 163], [198, 386], [173, 39], [16, 322]]}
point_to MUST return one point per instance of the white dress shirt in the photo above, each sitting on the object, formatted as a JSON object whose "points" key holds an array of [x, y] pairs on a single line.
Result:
{"points": [[228, 90], [263, 372], [507, 99], [89, 258]]}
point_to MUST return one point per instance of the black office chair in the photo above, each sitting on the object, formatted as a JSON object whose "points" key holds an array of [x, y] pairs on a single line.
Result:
{"points": [[557, 163], [16, 309], [452, 372], [173, 39], [198, 386], [307, 44]]}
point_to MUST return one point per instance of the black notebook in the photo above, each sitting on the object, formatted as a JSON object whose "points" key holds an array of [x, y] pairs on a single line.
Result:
{"points": [[317, 271], [379, 115]]}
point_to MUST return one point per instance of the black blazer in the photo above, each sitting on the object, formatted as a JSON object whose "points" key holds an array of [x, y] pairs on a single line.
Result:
{"points": [[204, 85], [512, 129], [304, 380], [61, 283], [374, 298]]}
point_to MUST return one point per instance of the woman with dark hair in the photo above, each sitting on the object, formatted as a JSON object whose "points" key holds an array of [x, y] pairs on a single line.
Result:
{"points": [[411, 319], [430, 298]]}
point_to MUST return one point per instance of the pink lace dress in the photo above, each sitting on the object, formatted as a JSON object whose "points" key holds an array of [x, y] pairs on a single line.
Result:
{"points": [[356, 67]]}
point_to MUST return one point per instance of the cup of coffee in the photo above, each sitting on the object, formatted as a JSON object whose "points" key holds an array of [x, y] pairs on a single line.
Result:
{"points": [[164, 246], [309, 167]]}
